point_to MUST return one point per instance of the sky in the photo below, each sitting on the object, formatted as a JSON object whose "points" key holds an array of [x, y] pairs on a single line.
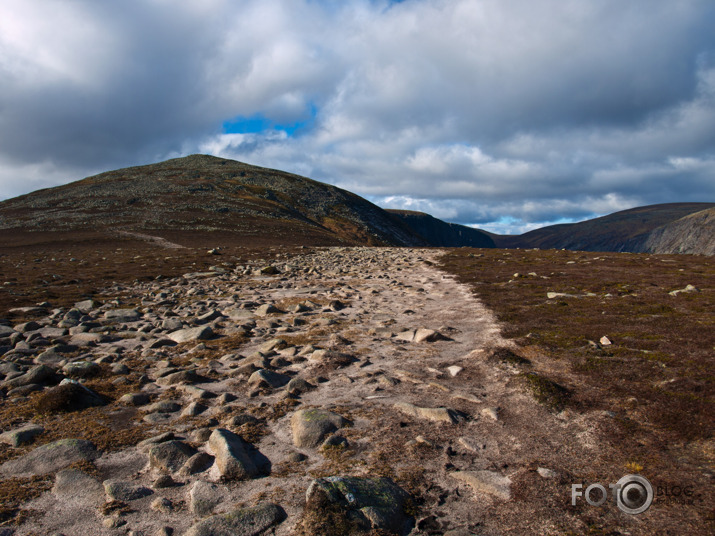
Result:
{"points": [[503, 114]]}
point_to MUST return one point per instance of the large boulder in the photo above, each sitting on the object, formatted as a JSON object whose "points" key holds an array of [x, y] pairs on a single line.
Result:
{"points": [[354, 505], [200, 333], [311, 426], [169, 456], [50, 458], [236, 459], [241, 522]]}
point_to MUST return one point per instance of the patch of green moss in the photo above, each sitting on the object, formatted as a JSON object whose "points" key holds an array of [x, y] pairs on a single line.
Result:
{"points": [[547, 392]]}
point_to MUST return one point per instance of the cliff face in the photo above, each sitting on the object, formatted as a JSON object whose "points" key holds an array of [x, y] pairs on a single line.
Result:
{"points": [[694, 234]]}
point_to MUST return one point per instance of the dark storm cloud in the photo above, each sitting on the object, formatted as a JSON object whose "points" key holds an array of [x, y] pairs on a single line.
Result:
{"points": [[478, 111]]}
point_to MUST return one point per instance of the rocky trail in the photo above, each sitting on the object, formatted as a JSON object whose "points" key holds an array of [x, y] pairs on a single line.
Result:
{"points": [[340, 390]]}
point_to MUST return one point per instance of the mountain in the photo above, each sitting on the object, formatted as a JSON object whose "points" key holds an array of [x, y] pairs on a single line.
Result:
{"points": [[651, 229], [191, 196], [442, 234], [694, 233]]}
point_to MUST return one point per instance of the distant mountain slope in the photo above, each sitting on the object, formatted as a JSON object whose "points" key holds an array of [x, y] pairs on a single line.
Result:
{"points": [[442, 234], [694, 233], [199, 194], [628, 230]]}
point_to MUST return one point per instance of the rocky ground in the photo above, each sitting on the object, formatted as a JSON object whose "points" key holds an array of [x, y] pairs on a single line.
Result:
{"points": [[338, 391]]}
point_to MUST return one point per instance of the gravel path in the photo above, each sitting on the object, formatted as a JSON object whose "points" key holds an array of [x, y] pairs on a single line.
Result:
{"points": [[364, 362]]}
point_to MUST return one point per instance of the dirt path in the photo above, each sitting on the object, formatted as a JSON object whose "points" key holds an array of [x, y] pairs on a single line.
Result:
{"points": [[439, 416]]}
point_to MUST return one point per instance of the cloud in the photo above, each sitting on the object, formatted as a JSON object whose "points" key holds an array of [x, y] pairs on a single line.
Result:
{"points": [[477, 111]]}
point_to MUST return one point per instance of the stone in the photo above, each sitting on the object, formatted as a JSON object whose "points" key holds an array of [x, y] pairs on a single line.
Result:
{"points": [[198, 463], [200, 333], [428, 335], [487, 482], [169, 456], [331, 357], [546, 473], [27, 326], [163, 505], [370, 503], [336, 305], [490, 413], [193, 409], [432, 414], [472, 445], [135, 399], [37, 374], [268, 378], [232, 456], [122, 490], [274, 344], [164, 406], [172, 324], [298, 386], [85, 306], [266, 309], [251, 521], [20, 436], [183, 377], [207, 317], [122, 315], [269, 270], [454, 370], [605, 341], [310, 427], [165, 481], [6, 331], [687, 289], [204, 497], [81, 369], [50, 458], [76, 484]]}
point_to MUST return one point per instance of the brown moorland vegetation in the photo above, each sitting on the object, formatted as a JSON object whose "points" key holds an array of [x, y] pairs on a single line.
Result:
{"points": [[655, 379]]}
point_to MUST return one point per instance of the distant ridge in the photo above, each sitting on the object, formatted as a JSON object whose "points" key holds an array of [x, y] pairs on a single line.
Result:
{"points": [[648, 229], [198, 199], [442, 234]]}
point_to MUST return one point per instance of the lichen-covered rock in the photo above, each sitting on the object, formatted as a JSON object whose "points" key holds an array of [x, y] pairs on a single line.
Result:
{"points": [[236, 459], [358, 504], [311, 426], [169, 456], [241, 522], [121, 490]]}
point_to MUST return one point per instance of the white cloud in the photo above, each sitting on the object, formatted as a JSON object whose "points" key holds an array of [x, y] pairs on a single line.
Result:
{"points": [[476, 110]]}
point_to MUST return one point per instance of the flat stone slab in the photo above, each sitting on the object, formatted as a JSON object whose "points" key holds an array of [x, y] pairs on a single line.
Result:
{"points": [[121, 490], [431, 414], [50, 458], [371, 502], [242, 522], [22, 435], [122, 315], [487, 482], [201, 333]]}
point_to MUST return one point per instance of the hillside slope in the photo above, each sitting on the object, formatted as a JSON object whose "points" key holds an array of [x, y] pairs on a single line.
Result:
{"points": [[442, 234], [199, 194], [625, 231], [694, 233]]}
